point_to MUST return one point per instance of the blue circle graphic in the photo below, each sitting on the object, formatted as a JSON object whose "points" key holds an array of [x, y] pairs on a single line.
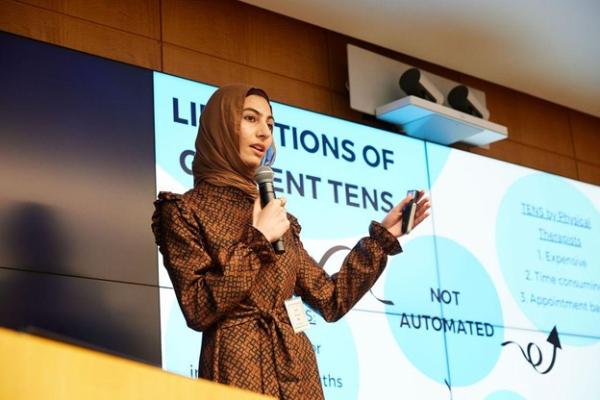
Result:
{"points": [[336, 356], [451, 321], [548, 236]]}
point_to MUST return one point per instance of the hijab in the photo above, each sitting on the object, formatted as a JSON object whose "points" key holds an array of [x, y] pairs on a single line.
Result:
{"points": [[217, 160]]}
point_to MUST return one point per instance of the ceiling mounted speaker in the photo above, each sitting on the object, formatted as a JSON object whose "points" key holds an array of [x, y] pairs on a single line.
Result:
{"points": [[460, 98], [414, 83]]}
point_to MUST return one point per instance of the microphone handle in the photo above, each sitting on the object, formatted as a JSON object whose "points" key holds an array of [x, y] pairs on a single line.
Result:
{"points": [[267, 193]]}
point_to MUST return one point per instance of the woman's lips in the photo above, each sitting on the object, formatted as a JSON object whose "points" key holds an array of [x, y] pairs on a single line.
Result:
{"points": [[258, 149]]}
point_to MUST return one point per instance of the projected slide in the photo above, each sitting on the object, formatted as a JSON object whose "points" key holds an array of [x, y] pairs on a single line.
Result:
{"points": [[536, 238], [495, 297]]}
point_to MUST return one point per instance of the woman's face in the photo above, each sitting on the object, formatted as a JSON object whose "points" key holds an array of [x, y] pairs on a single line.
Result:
{"points": [[256, 130]]}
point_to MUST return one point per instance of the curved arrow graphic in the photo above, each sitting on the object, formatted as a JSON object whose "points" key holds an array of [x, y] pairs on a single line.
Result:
{"points": [[535, 362]]}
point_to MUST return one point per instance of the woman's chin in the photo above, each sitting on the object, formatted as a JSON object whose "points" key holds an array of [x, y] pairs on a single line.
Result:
{"points": [[252, 165]]}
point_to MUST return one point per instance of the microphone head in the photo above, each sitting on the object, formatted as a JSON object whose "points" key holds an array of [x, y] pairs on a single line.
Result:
{"points": [[264, 174]]}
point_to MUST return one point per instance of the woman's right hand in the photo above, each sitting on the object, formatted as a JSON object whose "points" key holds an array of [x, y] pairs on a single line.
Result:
{"points": [[272, 220]]}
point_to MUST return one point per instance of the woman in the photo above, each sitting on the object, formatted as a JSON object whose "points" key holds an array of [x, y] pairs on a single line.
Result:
{"points": [[230, 284]]}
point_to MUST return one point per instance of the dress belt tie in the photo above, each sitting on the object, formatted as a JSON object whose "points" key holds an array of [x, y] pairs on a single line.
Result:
{"points": [[280, 335]]}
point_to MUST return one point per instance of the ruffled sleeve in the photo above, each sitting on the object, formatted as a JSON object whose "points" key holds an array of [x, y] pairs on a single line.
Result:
{"points": [[207, 286], [388, 243], [333, 296]]}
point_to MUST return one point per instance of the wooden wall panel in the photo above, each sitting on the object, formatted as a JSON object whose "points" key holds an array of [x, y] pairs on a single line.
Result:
{"points": [[30, 22], [111, 43], [74, 33], [338, 61], [529, 120], [288, 47], [542, 124], [340, 107], [589, 173], [202, 67], [293, 92], [586, 137], [217, 28], [517, 153], [249, 36], [136, 16], [213, 70]]}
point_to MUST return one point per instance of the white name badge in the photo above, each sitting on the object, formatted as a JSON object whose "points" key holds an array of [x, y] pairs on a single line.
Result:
{"points": [[295, 310]]}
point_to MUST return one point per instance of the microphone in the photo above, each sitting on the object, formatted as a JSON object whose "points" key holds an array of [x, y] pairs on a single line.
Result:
{"points": [[264, 178]]}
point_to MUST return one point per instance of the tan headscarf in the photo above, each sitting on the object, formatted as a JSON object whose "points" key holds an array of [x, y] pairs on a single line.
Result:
{"points": [[217, 160]]}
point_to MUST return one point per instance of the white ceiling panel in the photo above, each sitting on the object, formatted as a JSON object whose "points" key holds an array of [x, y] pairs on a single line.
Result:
{"points": [[546, 48]]}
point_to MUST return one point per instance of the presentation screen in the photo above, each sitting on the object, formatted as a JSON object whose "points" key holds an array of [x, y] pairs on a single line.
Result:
{"points": [[520, 250], [495, 296]]}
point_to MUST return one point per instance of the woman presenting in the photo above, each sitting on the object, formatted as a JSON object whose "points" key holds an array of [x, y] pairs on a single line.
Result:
{"points": [[231, 285]]}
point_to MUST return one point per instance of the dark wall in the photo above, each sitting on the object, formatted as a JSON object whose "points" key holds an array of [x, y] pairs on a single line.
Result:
{"points": [[77, 178]]}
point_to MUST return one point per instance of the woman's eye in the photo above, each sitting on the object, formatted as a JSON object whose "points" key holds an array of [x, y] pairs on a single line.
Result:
{"points": [[271, 127], [250, 118]]}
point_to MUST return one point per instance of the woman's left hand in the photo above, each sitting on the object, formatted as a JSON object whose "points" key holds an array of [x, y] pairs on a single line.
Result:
{"points": [[393, 220]]}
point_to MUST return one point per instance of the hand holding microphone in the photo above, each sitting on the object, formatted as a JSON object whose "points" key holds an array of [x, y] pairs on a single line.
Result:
{"points": [[272, 219]]}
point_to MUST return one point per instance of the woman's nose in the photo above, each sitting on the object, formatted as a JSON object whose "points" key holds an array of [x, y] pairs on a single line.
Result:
{"points": [[263, 131]]}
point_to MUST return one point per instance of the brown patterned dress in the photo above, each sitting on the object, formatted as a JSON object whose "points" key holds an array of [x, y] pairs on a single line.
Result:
{"points": [[231, 285]]}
